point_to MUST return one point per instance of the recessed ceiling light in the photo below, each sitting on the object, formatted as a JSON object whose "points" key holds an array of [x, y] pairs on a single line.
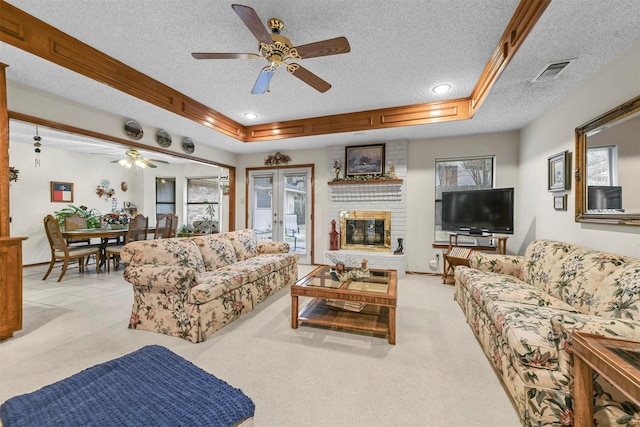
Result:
{"points": [[442, 88], [251, 116]]}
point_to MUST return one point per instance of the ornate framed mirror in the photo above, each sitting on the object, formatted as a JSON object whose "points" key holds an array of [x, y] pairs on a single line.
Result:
{"points": [[607, 167]]}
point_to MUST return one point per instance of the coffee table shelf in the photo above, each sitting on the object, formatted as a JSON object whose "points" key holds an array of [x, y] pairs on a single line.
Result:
{"points": [[373, 318]]}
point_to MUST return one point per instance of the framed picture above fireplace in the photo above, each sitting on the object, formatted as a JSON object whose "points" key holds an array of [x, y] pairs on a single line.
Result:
{"points": [[364, 160]]}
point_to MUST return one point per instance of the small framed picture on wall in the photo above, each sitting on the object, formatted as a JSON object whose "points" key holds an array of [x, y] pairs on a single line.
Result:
{"points": [[560, 203], [61, 192], [560, 171]]}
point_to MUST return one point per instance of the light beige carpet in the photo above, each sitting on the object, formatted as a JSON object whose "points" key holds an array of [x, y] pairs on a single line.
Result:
{"points": [[436, 375]]}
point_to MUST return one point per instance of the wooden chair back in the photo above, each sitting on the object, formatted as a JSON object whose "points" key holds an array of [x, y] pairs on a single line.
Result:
{"points": [[138, 228], [174, 225], [163, 226], [54, 235], [75, 222]]}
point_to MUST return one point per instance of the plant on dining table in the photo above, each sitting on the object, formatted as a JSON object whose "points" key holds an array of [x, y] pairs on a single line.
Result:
{"points": [[93, 216]]}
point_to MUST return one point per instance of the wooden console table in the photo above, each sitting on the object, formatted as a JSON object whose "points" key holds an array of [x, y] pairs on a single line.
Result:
{"points": [[457, 255], [618, 361]]}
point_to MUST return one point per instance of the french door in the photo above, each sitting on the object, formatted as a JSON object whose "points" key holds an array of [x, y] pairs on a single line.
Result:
{"points": [[280, 208]]}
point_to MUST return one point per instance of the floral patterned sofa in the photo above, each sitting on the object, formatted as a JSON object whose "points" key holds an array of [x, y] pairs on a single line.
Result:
{"points": [[190, 287], [523, 311]]}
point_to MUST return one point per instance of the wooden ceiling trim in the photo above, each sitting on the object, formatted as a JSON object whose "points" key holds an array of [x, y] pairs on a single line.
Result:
{"points": [[32, 35], [408, 115], [39, 38], [522, 22]]}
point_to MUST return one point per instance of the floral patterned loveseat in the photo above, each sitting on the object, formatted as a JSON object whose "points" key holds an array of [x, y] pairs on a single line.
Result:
{"points": [[190, 287], [523, 311]]}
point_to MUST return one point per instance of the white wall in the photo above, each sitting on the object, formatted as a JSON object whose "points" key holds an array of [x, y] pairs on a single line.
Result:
{"points": [[421, 185], [552, 133]]}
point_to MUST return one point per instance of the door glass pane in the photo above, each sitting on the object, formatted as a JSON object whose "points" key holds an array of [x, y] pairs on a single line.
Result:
{"points": [[295, 208], [263, 207]]}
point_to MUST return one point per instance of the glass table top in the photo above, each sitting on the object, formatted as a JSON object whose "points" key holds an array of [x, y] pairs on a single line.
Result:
{"points": [[354, 280]]}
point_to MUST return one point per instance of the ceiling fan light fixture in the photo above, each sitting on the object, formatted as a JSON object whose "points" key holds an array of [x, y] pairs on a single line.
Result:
{"points": [[139, 163], [443, 88], [125, 163]]}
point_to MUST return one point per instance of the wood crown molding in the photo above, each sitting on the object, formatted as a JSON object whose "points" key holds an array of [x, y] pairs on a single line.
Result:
{"points": [[30, 34]]}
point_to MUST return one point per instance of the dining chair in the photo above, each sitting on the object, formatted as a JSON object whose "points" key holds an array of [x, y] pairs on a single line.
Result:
{"points": [[163, 226], [174, 225], [76, 222], [60, 251], [138, 230]]}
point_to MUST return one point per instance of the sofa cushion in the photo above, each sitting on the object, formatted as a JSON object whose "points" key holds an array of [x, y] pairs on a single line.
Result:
{"points": [[217, 251], [528, 332], [618, 295], [485, 286], [261, 265], [212, 284], [176, 251], [245, 243], [540, 259], [579, 275]]}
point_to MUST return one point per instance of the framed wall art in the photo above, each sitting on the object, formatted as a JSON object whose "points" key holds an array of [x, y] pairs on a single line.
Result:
{"points": [[62, 192], [560, 171], [560, 203], [364, 160]]}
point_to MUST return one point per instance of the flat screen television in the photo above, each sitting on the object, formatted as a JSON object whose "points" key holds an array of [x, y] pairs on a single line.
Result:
{"points": [[604, 197], [478, 211]]}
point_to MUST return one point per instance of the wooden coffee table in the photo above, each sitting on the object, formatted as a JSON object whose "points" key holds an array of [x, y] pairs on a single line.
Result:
{"points": [[378, 293], [616, 360]]}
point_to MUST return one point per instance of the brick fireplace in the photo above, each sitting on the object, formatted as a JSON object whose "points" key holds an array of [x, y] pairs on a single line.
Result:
{"points": [[372, 202]]}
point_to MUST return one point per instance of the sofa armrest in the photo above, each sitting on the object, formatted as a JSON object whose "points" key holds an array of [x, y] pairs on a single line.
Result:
{"points": [[150, 277], [272, 248], [564, 325], [505, 264]]}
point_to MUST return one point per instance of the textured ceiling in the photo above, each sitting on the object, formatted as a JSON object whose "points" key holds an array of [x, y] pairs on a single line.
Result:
{"points": [[399, 51]]}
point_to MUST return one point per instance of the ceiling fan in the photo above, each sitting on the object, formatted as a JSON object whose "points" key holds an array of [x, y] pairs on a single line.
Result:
{"points": [[134, 157], [279, 51]]}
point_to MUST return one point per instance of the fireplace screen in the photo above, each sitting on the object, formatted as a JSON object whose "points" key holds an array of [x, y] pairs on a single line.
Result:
{"points": [[365, 230]]}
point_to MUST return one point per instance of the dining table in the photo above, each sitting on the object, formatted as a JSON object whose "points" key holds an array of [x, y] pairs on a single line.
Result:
{"points": [[97, 233]]}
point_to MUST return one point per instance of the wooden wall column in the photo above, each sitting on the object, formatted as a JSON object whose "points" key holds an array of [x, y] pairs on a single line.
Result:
{"points": [[10, 247]]}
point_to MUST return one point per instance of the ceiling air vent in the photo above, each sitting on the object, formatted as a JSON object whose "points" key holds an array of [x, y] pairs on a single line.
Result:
{"points": [[552, 71]]}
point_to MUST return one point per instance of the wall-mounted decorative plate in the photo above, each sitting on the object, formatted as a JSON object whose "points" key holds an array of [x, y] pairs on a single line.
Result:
{"points": [[163, 138], [105, 183], [124, 186], [133, 129], [188, 145]]}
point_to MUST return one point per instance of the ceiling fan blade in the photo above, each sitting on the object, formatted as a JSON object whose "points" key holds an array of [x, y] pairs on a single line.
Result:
{"points": [[324, 48], [146, 162], [253, 23], [158, 161], [262, 84], [199, 55], [309, 78]]}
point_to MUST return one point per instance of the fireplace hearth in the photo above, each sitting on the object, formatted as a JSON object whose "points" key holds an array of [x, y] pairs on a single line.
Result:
{"points": [[365, 230]]}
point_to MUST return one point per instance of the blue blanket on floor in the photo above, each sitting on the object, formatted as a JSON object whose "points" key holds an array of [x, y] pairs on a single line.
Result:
{"points": [[149, 387]]}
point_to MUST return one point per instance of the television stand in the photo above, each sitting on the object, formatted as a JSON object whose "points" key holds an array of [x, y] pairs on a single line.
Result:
{"points": [[456, 254]]}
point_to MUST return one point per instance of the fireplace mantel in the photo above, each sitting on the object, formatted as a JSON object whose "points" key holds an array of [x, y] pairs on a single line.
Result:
{"points": [[369, 181], [382, 190]]}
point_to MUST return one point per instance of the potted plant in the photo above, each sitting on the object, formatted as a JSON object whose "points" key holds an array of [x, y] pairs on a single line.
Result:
{"points": [[93, 216]]}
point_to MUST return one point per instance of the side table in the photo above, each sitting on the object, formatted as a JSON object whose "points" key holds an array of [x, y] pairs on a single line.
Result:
{"points": [[618, 361]]}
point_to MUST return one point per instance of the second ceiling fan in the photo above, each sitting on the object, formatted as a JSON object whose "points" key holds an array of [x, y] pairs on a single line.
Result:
{"points": [[279, 51]]}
